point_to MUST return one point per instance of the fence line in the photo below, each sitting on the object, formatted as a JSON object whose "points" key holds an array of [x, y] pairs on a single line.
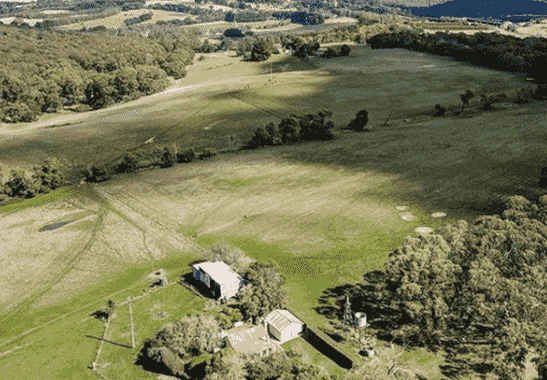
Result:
{"points": [[131, 320], [67, 314], [102, 341], [16, 348]]}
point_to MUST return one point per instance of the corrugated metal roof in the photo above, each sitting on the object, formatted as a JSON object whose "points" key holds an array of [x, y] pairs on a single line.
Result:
{"points": [[220, 272], [280, 319], [254, 339]]}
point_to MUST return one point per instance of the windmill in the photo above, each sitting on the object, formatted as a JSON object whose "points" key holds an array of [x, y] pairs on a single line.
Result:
{"points": [[348, 316]]}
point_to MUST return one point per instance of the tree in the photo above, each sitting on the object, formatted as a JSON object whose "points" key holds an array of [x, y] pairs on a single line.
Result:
{"points": [[261, 51], [48, 174], [18, 184], [127, 163], [360, 121], [289, 129], [226, 365], [262, 137], [168, 158], [330, 53], [465, 98], [344, 50], [439, 110], [190, 336], [238, 260], [97, 172], [263, 291], [186, 155]]}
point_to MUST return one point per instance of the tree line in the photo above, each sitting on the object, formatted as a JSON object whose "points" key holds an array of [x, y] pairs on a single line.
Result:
{"points": [[46, 71], [492, 50], [41, 180]]}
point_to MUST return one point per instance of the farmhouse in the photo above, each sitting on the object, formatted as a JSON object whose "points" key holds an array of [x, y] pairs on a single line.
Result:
{"points": [[221, 280], [283, 325]]}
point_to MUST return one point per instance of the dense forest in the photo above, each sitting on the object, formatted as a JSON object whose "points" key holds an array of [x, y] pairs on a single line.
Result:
{"points": [[44, 71], [478, 291]]}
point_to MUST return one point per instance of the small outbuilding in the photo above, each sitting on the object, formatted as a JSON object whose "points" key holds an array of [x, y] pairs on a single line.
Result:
{"points": [[283, 326], [223, 282]]}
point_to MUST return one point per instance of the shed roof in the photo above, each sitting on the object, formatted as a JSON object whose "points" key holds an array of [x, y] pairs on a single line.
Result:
{"points": [[280, 319], [220, 272], [254, 339]]}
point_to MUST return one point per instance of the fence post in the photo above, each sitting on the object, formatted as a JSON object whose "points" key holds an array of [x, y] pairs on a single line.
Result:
{"points": [[131, 320]]}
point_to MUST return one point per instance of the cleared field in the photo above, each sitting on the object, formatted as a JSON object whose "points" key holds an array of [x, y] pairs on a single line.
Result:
{"points": [[62, 340], [325, 212]]}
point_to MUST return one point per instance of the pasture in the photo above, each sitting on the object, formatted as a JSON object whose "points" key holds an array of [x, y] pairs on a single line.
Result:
{"points": [[323, 211]]}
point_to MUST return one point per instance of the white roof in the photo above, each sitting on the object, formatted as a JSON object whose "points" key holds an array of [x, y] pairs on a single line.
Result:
{"points": [[280, 319], [220, 272]]}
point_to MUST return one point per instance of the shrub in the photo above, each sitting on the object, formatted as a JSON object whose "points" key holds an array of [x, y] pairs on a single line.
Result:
{"points": [[344, 50], [208, 152], [187, 155], [360, 121], [439, 110]]}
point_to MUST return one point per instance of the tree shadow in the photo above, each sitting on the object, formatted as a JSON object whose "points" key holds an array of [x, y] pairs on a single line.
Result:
{"points": [[150, 365], [363, 299]]}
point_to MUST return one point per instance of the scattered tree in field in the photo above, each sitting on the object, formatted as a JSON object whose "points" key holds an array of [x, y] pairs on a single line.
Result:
{"points": [[345, 50], [261, 51], [360, 121], [104, 314], [439, 110], [465, 98], [315, 127], [263, 291]]}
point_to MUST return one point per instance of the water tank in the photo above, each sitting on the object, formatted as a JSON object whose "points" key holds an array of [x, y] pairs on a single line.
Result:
{"points": [[360, 320]]}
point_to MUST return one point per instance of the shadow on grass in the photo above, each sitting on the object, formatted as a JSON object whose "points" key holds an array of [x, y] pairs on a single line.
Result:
{"points": [[109, 341]]}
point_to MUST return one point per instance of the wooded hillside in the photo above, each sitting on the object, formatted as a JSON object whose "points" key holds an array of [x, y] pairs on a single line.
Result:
{"points": [[43, 71]]}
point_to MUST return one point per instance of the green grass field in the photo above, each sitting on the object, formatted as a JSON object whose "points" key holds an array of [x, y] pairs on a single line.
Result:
{"points": [[323, 211]]}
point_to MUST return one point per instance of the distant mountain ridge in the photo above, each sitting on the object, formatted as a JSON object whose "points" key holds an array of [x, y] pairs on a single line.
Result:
{"points": [[515, 11]]}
